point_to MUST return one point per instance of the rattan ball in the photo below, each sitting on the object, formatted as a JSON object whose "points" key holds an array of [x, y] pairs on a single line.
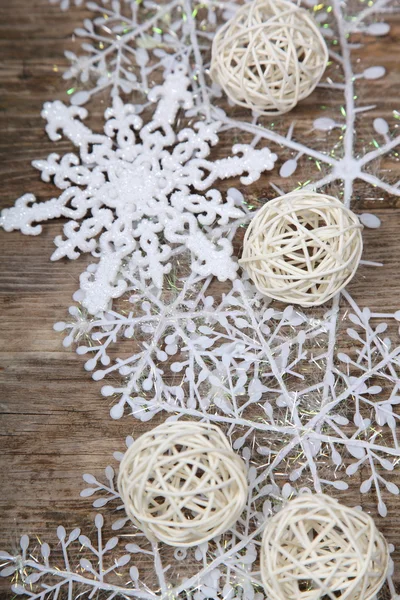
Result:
{"points": [[302, 248], [318, 549], [182, 484], [269, 56]]}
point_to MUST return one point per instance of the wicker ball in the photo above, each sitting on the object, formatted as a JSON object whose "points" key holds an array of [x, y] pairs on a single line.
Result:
{"points": [[269, 56], [182, 484], [302, 248], [317, 549]]}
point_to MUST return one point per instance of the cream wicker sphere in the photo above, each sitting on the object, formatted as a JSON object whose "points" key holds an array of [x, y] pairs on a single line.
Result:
{"points": [[182, 484], [269, 56], [302, 248], [318, 549]]}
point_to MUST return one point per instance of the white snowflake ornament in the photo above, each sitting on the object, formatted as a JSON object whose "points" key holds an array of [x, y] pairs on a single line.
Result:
{"points": [[137, 192]]}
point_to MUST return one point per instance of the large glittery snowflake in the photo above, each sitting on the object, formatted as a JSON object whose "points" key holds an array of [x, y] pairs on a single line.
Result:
{"points": [[140, 192]]}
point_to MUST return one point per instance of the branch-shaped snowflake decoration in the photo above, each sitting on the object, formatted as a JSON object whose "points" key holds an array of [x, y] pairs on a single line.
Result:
{"points": [[139, 191], [126, 44], [97, 569], [193, 353], [239, 362], [37, 578]]}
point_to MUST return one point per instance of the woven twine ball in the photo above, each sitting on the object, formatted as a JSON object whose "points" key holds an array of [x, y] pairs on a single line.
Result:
{"points": [[182, 484], [318, 549], [269, 56], [302, 248]]}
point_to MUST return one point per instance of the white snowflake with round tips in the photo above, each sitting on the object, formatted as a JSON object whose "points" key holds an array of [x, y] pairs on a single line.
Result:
{"points": [[263, 373], [343, 166], [137, 199], [127, 42]]}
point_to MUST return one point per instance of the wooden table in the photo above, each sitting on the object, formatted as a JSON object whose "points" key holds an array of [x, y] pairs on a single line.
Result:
{"points": [[54, 423]]}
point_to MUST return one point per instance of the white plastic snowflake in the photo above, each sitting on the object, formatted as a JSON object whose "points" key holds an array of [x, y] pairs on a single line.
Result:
{"points": [[217, 348], [342, 164], [137, 190], [128, 42], [263, 373]]}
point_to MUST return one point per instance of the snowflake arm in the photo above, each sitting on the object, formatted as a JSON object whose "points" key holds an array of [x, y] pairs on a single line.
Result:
{"points": [[38, 578]]}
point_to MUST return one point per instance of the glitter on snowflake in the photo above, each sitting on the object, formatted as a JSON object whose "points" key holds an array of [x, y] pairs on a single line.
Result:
{"points": [[140, 191]]}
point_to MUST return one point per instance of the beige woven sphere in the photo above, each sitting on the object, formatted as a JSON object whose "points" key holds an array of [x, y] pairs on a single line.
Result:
{"points": [[182, 484], [302, 248], [318, 549], [269, 56]]}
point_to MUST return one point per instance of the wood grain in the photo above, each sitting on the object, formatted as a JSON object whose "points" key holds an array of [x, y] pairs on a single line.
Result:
{"points": [[54, 423]]}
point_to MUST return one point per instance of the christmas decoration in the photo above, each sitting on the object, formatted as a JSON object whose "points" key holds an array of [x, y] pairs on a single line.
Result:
{"points": [[182, 484], [128, 194], [269, 56], [118, 565], [300, 408], [317, 548], [182, 321], [262, 372], [302, 248]]}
